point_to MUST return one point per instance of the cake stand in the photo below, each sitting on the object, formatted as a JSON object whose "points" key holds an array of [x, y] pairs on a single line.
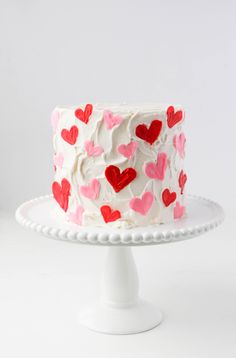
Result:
{"points": [[119, 310]]}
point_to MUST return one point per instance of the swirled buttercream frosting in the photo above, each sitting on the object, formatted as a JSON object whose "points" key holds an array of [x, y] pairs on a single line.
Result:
{"points": [[119, 165]]}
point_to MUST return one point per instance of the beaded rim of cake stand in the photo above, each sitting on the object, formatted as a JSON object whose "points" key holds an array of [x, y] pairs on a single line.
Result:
{"points": [[124, 237]]}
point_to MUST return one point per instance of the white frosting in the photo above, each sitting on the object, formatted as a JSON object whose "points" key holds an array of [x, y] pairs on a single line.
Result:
{"points": [[79, 168]]}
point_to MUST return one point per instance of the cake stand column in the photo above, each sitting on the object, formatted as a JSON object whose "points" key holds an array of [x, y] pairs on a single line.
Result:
{"points": [[119, 285], [119, 309]]}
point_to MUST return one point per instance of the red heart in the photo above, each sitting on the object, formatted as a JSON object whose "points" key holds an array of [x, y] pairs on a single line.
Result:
{"points": [[71, 135], [108, 214], [149, 134], [117, 179], [61, 193], [84, 115], [168, 197], [173, 117], [182, 180]]}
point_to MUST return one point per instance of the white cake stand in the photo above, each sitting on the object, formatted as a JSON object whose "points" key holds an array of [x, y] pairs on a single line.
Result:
{"points": [[119, 310]]}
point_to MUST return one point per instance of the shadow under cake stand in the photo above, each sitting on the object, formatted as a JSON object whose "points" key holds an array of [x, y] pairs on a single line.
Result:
{"points": [[119, 310]]}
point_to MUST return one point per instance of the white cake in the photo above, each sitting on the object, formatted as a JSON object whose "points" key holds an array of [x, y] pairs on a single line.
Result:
{"points": [[119, 165]]}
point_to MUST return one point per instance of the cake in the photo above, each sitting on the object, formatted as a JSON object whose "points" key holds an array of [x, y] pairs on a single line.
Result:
{"points": [[118, 165]]}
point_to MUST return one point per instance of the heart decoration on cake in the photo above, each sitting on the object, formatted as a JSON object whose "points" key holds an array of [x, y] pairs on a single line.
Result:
{"points": [[92, 150], [55, 120], [150, 134], [61, 193], [76, 217], [182, 180], [173, 117], [58, 160], [157, 170], [117, 179], [108, 214], [179, 143], [127, 150], [111, 120], [92, 190], [84, 116], [70, 136], [179, 210], [143, 205], [168, 197], [122, 165]]}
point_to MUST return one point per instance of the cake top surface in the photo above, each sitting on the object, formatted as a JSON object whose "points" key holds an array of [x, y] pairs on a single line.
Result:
{"points": [[124, 107]]}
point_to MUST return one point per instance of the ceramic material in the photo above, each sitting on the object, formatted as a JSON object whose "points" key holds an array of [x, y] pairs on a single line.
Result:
{"points": [[203, 215], [119, 310]]}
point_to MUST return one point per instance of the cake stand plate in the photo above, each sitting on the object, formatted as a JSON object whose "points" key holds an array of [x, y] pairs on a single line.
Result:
{"points": [[119, 310]]}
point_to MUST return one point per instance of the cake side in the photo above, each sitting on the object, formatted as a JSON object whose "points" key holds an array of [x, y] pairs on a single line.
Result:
{"points": [[119, 165]]}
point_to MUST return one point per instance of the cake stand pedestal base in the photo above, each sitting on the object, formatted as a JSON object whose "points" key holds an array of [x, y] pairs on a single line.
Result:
{"points": [[137, 318], [120, 310]]}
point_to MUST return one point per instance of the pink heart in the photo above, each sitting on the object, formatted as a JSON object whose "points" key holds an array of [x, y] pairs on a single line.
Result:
{"points": [[178, 210], [179, 144], [92, 190], [111, 120], [157, 170], [142, 205], [58, 160], [55, 120], [76, 217], [127, 150], [91, 149]]}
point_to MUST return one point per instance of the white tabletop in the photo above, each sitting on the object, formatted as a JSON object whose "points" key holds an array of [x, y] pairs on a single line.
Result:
{"points": [[194, 281]]}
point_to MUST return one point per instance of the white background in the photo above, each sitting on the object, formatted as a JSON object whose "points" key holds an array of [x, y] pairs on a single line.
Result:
{"points": [[67, 52]]}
